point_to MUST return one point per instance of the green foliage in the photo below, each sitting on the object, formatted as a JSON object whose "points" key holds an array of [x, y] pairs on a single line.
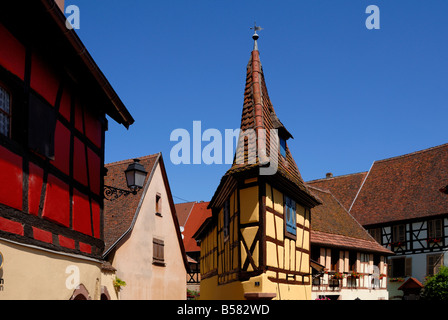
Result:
{"points": [[118, 283], [436, 286]]}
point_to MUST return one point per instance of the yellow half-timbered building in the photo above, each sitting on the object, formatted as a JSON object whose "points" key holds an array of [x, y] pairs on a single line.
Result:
{"points": [[256, 244]]}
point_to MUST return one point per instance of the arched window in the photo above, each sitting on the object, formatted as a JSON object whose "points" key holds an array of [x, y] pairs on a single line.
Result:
{"points": [[5, 112]]}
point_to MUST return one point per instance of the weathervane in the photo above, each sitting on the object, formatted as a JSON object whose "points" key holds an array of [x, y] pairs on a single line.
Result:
{"points": [[255, 36]]}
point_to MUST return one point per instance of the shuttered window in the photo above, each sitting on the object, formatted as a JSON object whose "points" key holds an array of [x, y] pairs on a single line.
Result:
{"points": [[400, 267], [433, 263], [435, 228], [399, 233], [290, 217], [376, 234], [158, 252]]}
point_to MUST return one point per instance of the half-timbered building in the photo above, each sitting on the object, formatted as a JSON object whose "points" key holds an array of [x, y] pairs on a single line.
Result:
{"points": [[355, 265], [256, 244], [191, 216], [53, 106], [399, 202]]}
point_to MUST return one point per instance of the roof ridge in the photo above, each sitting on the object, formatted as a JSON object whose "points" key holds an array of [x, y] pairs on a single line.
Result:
{"points": [[334, 177], [128, 160], [413, 153], [319, 189]]}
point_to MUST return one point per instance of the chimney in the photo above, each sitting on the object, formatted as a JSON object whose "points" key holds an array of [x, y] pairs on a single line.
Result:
{"points": [[61, 4], [329, 175]]}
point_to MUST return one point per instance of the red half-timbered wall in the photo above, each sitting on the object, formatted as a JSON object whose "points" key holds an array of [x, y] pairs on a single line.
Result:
{"points": [[51, 163]]}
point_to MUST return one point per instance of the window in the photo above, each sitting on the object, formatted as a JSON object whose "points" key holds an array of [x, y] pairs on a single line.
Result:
{"points": [[364, 261], [290, 218], [335, 260], [433, 263], [351, 282], [159, 204], [376, 234], [5, 112], [399, 235], [435, 229], [158, 252], [42, 126], [226, 213], [400, 267], [283, 147], [352, 258]]}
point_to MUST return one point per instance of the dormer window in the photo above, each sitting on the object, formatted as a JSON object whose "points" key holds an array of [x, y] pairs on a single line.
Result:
{"points": [[283, 134], [283, 147], [5, 112]]}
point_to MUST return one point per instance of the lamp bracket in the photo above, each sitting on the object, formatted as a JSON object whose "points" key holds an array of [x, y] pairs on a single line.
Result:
{"points": [[112, 193]]}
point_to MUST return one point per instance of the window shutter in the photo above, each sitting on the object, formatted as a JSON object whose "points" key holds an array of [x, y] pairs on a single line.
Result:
{"points": [[158, 252], [290, 211], [408, 267]]}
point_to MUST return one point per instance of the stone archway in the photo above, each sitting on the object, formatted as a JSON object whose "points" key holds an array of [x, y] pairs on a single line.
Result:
{"points": [[80, 293]]}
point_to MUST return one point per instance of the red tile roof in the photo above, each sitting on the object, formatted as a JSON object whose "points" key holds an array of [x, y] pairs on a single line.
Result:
{"points": [[344, 188], [198, 213], [183, 211], [411, 283], [119, 214], [332, 225], [404, 187]]}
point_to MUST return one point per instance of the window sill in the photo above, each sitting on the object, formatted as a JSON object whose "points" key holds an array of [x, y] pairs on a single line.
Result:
{"points": [[159, 263]]}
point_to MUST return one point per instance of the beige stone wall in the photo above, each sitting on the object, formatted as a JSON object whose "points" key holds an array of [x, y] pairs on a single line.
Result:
{"points": [[30, 273]]}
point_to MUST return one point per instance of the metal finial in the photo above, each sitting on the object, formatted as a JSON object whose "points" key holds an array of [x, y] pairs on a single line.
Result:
{"points": [[255, 35]]}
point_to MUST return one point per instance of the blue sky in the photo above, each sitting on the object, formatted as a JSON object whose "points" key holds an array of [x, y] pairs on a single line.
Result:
{"points": [[348, 95]]}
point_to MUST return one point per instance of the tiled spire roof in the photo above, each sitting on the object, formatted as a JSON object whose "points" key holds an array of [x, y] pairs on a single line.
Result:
{"points": [[259, 116]]}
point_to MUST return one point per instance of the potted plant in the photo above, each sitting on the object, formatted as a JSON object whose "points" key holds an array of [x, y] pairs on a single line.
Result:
{"points": [[118, 283], [337, 276], [355, 275]]}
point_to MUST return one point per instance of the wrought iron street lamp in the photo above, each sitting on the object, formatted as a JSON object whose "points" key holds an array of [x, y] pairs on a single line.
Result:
{"points": [[135, 178]]}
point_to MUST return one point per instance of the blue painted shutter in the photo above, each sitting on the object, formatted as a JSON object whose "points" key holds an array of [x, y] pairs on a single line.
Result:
{"points": [[290, 216]]}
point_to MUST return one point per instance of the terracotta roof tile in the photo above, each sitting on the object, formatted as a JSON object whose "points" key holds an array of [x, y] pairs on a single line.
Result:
{"points": [[344, 187], [199, 213], [404, 187], [183, 211], [119, 214], [332, 225], [258, 107]]}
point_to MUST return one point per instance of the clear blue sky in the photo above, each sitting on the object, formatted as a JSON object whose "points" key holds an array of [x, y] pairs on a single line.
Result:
{"points": [[347, 94]]}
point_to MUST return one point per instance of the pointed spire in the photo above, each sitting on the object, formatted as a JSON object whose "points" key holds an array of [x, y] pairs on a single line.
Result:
{"points": [[255, 35]]}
